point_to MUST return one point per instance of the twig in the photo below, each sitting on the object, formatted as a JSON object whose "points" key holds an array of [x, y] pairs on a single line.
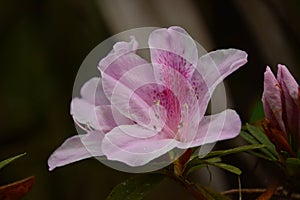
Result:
{"points": [[269, 192], [278, 192], [240, 187], [244, 190]]}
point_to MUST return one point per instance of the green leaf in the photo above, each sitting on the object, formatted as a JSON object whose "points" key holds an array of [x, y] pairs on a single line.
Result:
{"points": [[266, 154], [263, 139], [9, 160], [258, 112], [215, 157], [198, 163], [234, 150], [198, 160], [261, 155], [135, 188], [210, 194], [249, 138], [227, 167]]}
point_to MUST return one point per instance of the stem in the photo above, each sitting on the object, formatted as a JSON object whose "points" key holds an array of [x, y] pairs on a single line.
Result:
{"points": [[179, 164], [240, 187], [269, 192], [244, 190]]}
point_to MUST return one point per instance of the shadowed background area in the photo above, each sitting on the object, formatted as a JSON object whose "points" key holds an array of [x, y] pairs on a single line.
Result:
{"points": [[44, 42]]}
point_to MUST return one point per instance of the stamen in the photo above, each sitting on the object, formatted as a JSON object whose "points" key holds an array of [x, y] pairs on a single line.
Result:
{"points": [[157, 105], [180, 125], [185, 106], [156, 102], [87, 129], [184, 113]]}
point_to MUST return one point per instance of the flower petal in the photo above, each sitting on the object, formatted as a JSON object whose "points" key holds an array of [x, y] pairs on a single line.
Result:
{"points": [[289, 88], [131, 96], [102, 118], [286, 79], [174, 56], [172, 48], [119, 49], [202, 92], [217, 65], [118, 62], [92, 91], [84, 112], [221, 126], [152, 105], [214, 67], [108, 118], [135, 151], [272, 100], [76, 148]]}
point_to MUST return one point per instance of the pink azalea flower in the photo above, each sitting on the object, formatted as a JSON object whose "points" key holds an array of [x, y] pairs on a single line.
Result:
{"points": [[281, 106], [138, 111]]}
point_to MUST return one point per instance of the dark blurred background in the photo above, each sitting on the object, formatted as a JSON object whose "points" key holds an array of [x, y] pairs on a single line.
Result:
{"points": [[43, 43]]}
